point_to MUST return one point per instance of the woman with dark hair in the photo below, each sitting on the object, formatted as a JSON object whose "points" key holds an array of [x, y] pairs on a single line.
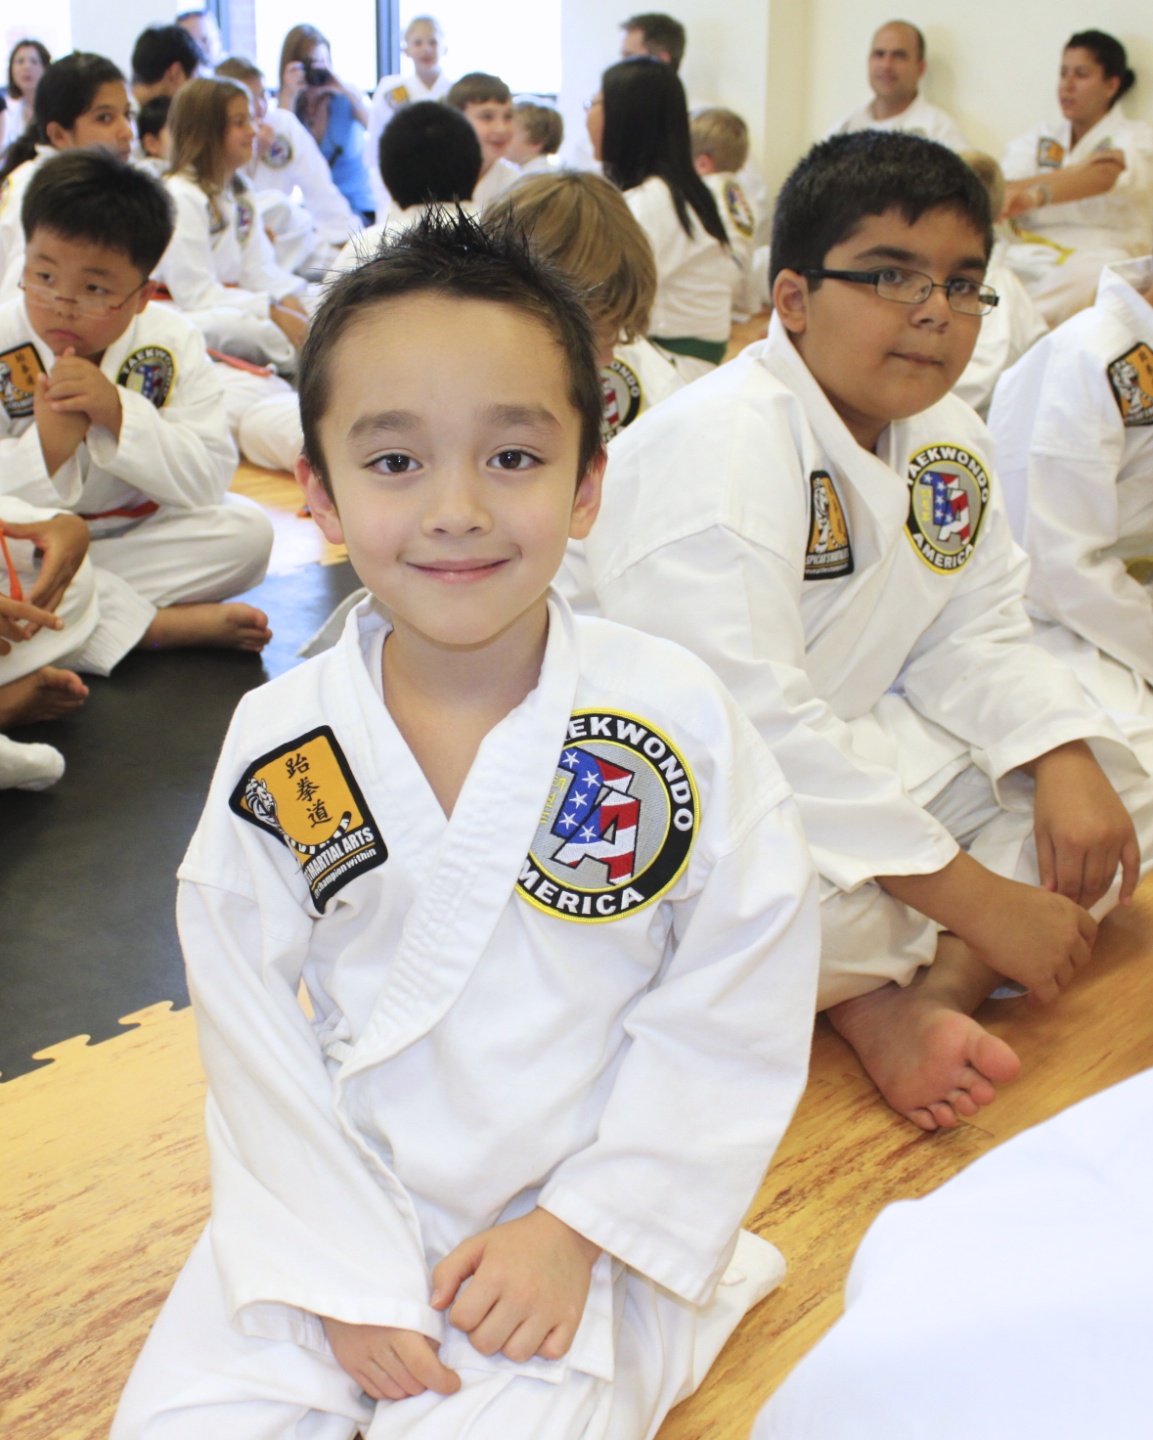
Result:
{"points": [[639, 127], [81, 103], [335, 114], [27, 61], [1080, 191]]}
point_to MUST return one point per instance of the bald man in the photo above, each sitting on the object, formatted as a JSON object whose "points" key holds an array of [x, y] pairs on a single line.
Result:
{"points": [[896, 65]]}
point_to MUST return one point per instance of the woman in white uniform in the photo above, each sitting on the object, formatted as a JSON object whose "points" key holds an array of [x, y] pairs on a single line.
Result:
{"points": [[1080, 190], [639, 128]]}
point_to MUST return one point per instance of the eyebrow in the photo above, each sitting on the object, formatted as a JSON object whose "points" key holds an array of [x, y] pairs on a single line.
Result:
{"points": [[42, 257], [911, 257], [382, 420], [536, 416]]}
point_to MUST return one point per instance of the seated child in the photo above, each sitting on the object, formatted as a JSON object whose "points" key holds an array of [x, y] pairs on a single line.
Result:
{"points": [[553, 1045], [48, 611], [720, 140], [821, 522], [108, 408], [423, 45], [486, 103], [152, 133], [537, 135], [1014, 324], [1073, 422], [81, 103], [307, 234], [431, 157]]}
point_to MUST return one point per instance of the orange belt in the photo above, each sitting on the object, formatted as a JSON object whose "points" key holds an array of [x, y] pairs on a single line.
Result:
{"points": [[238, 364], [127, 512], [15, 589]]}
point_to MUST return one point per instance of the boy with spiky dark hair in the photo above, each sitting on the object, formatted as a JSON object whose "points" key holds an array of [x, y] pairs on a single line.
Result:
{"points": [[551, 906], [820, 521]]}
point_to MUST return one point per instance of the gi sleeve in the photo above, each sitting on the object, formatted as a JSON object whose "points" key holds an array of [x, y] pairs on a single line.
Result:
{"points": [[187, 266], [182, 453], [719, 1049], [259, 270], [24, 473], [301, 1227]]}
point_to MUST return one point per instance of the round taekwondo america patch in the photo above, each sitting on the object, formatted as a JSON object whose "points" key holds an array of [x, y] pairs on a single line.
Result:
{"points": [[618, 824], [948, 496]]}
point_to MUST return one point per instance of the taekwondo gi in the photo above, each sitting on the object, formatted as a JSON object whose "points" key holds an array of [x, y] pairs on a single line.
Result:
{"points": [[918, 118], [590, 989]]}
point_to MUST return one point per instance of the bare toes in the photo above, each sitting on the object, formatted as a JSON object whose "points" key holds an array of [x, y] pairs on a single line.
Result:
{"points": [[944, 1114], [923, 1118], [963, 1102]]}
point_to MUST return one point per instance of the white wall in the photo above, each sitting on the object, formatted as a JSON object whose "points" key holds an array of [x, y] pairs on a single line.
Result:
{"points": [[112, 29], [992, 63]]}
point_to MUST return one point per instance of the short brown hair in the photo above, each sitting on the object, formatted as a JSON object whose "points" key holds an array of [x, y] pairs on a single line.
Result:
{"points": [[477, 88], [582, 224], [197, 123], [721, 135], [990, 175], [542, 124], [237, 67], [661, 33]]}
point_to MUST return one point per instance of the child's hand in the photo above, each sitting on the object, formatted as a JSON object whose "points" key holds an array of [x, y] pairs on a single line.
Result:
{"points": [[1083, 830], [20, 621], [1030, 935], [61, 433], [530, 1281], [63, 543], [389, 1364], [77, 387]]}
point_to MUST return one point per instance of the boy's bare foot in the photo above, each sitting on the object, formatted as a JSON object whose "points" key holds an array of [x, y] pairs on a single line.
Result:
{"points": [[46, 694], [232, 626], [921, 1047]]}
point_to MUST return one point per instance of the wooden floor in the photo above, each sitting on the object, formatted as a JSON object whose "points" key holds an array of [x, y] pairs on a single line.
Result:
{"points": [[104, 1183]]}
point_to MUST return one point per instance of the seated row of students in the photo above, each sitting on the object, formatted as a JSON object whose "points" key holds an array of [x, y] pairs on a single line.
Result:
{"points": [[819, 522]]}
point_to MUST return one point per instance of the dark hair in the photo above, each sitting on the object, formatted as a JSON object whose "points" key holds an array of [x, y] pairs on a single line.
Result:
{"points": [[153, 115], [647, 133], [661, 32], [477, 88], [93, 196], [160, 46], [66, 91], [429, 153], [1109, 53], [14, 91], [848, 177], [452, 255]]}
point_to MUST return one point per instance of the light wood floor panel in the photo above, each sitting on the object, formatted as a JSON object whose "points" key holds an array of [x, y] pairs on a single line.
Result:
{"points": [[104, 1188]]}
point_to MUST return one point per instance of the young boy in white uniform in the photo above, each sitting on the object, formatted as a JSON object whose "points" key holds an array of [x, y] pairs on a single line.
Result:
{"points": [[424, 46], [537, 135], [109, 408], [485, 101], [548, 895], [1073, 422], [720, 140], [820, 521]]}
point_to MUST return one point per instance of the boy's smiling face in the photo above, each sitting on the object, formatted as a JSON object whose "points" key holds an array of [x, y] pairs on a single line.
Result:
{"points": [[879, 360], [492, 121], [452, 446]]}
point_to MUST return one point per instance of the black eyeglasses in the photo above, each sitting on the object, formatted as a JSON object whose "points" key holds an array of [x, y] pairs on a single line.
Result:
{"points": [[913, 287]]}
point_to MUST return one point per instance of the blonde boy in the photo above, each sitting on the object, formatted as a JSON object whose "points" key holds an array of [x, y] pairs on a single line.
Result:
{"points": [[720, 143], [538, 133], [424, 46], [551, 905]]}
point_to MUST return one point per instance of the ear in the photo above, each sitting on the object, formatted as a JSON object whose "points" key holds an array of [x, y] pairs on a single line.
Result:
{"points": [[175, 76], [58, 137], [791, 301], [319, 501], [588, 497], [145, 294], [704, 164]]}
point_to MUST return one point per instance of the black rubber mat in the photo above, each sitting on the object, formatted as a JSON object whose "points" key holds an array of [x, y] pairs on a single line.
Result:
{"points": [[87, 868]]}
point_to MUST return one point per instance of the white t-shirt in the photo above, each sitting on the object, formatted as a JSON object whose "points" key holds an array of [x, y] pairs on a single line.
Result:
{"points": [[918, 118]]}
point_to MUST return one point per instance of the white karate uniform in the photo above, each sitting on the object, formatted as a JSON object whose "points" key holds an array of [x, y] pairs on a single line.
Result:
{"points": [[694, 275], [1010, 328], [393, 93], [11, 228], [1073, 422], [918, 118], [1043, 1249], [742, 519], [164, 531], [740, 224], [363, 246], [1062, 249], [220, 271], [471, 1053], [541, 165], [501, 175], [294, 159]]}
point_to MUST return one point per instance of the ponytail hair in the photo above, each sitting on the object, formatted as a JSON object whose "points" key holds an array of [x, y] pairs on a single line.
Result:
{"points": [[1108, 52], [66, 91]]}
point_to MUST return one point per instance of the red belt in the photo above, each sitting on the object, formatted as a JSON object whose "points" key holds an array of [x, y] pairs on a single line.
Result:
{"points": [[126, 512]]}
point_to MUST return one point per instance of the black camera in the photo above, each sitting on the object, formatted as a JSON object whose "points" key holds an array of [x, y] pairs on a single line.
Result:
{"points": [[316, 74]]}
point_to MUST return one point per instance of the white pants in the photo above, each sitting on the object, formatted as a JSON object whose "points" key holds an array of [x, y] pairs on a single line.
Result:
{"points": [[199, 1379], [175, 557], [78, 609], [868, 937], [263, 417], [1060, 288]]}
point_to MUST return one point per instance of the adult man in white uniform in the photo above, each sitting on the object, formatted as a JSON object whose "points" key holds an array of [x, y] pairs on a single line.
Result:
{"points": [[896, 68]]}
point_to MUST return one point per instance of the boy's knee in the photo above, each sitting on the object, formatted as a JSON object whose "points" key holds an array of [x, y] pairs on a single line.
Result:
{"points": [[246, 534]]}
